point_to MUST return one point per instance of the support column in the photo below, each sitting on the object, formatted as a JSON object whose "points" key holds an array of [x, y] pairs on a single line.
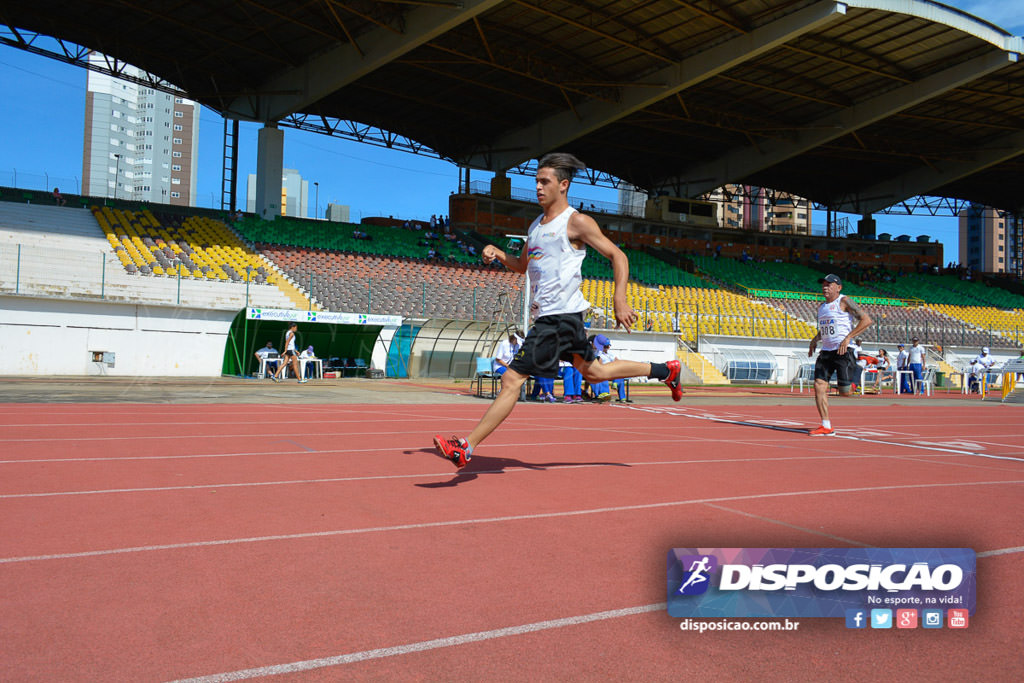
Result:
{"points": [[269, 169], [866, 227], [501, 186]]}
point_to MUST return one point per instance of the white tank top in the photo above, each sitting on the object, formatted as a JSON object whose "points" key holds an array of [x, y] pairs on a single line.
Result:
{"points": [[554, 268], [833, 324]]}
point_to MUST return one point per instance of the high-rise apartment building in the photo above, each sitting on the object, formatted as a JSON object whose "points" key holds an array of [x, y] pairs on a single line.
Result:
{"points": [[294, 194], [631, 201], [140, 143], [745, 207], [988, 240]]}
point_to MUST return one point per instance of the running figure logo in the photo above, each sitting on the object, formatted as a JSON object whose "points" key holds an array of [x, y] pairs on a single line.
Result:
{"points": [[697, 575]]}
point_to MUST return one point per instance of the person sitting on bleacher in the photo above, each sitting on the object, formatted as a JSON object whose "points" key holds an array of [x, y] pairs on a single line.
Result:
{"points": [[58, 197], [271, 354]]}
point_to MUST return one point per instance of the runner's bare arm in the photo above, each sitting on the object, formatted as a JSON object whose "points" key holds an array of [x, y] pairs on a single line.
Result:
{"points": [[814, 344], [864, 321], [583, 228], [517, 264]]}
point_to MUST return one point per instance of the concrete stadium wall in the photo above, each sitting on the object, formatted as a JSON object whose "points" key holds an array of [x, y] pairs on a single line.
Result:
{"points": [[40, 336]]}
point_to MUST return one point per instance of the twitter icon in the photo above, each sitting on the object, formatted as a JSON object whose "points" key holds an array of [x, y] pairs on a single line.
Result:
{"points": [[881, 618]]}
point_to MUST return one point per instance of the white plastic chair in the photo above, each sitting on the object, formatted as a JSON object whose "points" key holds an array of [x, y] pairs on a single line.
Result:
{"points": [[899, 380], [925, 382], [805, 375]]}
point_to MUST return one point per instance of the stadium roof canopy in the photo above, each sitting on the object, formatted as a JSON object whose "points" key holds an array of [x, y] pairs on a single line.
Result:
{"points": [[856, 104]]}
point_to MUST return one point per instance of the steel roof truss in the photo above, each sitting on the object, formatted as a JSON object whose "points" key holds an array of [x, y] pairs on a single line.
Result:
{"points": [[929, 177], [740, 163], [329, 72], [568, 125]]}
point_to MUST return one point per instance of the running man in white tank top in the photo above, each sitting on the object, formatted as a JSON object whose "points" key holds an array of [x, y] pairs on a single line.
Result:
{"points": [[839, 321], [552, 257]]}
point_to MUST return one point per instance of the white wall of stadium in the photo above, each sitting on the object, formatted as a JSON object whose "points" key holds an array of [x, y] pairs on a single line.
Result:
{"points": [[40, 336]]}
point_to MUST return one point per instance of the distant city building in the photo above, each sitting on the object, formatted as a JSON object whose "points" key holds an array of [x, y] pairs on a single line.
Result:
{"points": [[294, 194], [632, 201], [746, 207], [140, 144], [989, 240], [338, 213]]}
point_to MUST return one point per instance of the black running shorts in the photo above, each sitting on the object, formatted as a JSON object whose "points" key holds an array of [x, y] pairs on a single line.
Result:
{"points": [[553, 338], [843, 366]]}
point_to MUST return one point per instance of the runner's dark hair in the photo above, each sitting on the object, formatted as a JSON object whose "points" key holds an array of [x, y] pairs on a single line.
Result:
{"points": [[563, 164]]}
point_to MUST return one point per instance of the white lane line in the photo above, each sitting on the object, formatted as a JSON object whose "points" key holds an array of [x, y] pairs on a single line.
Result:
{"points": [[494, 520], [438, 643], [418, 448], [167, 423], [1001, 551], [753, 423], [786, 524], [422, 646], [451, 473]]}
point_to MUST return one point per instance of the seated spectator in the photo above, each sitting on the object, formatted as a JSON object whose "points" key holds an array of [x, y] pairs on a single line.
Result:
{"points": [[507, 349], [975, 372], [983, 363], [883, 368], [545, 386], [58, 197], [601, 389], [308, 355], [271, 354]]}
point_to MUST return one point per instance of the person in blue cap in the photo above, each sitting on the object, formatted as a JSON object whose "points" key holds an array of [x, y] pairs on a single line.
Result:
{"points": [[552, 257]]}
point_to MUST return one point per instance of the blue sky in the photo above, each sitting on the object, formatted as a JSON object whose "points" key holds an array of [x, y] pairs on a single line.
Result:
{"points": [[44, 106]]}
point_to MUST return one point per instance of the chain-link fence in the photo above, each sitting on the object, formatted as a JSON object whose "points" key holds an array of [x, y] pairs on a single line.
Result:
{"points": [[34, 269]]}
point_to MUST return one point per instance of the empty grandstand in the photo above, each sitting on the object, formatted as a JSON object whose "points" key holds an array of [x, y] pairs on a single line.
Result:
{"points": [[67, 252], [395, 286]]}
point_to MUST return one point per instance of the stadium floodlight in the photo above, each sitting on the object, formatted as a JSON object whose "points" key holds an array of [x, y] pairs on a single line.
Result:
{"points": [[117, 172]]}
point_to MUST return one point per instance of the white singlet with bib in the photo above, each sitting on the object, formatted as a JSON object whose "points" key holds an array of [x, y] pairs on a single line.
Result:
{"points": [[833, 324], [554, 268]]}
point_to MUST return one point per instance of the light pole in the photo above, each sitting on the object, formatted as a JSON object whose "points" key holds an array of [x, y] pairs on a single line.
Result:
{"points": [[117, 172], [316, 210]]}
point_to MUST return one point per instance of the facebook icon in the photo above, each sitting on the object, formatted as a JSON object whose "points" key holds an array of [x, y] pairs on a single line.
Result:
{"points": [[856, 618]]}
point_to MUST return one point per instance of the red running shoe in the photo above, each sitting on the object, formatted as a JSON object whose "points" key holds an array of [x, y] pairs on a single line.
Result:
{"points": [[822, 431], [453, 449], [673, 379]]}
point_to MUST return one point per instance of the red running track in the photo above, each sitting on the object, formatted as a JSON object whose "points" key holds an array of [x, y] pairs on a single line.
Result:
{"points": [[155, 542]]}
